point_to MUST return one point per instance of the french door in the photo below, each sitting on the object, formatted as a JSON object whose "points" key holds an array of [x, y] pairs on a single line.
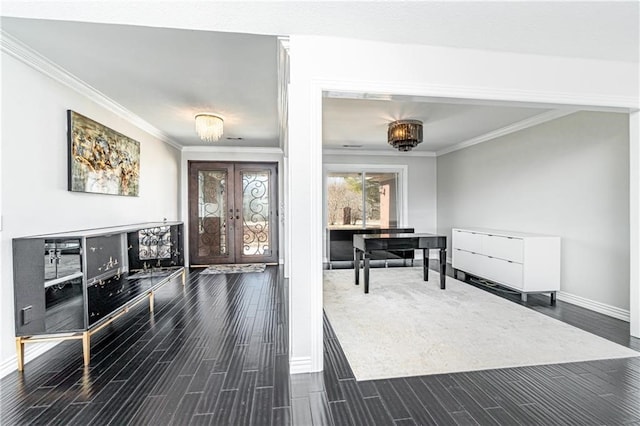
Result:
{"points": [[232, 213]]}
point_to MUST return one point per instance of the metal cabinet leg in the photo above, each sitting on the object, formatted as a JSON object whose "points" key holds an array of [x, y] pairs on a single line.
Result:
{"points": [[86, 347], [20, 353], [523, 297], [151, 302], [553, 297]]}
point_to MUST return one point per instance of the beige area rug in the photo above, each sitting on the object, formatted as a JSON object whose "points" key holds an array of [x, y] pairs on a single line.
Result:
{"points": [[238, 268], [408, 327]]}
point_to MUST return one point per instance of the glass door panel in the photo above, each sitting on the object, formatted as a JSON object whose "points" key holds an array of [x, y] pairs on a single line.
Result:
{"points": [[212, 208], [255, 213], [344, 200], [210, 185], [256, 195], [381, 199]]}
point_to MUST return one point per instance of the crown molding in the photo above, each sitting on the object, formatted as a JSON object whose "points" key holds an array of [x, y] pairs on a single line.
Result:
{"points": [[352, 151], [284, 42], [35, 60], [512, 128]]}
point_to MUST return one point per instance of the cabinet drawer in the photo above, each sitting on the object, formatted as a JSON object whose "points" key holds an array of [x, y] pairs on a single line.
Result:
{"points": [[503, 272], [466, 261], [468, 241], [503, 247]]}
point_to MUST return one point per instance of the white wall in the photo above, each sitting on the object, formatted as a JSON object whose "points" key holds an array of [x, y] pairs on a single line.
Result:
{"points": [[320, 63], [568, 177], [35, 199], [367, 66]]}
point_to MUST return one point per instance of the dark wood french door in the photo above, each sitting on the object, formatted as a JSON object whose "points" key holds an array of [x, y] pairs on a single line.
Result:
{"points": [[233, 212]]}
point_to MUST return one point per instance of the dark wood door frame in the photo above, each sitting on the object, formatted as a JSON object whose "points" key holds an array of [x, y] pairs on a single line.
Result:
{"points": [[241, 226]]}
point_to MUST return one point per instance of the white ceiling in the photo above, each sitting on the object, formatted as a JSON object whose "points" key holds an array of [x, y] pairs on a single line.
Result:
{"points": [[365, 121], [589, 29], [166, 75]]}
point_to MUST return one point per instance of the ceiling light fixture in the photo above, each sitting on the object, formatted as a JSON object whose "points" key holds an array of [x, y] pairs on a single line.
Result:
{"points": [[209, 127], [404, 135]]}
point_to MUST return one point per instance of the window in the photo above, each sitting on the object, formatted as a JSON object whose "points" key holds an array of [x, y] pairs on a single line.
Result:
{"points": [[363, 198]]}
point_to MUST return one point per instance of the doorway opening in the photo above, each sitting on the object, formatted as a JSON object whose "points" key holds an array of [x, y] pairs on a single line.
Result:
{"points": [[232, 213]]}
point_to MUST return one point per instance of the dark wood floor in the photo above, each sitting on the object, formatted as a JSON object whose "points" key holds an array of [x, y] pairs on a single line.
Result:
{"points": [[215, 353]]}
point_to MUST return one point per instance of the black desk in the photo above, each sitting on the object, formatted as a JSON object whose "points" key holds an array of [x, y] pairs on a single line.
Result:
{"points": [[365, 244], [340, 244]]}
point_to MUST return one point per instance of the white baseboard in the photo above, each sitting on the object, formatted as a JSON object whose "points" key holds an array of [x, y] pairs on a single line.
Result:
{"points": [[612, 311], [592, 305], [300, 365], [31, 351]]}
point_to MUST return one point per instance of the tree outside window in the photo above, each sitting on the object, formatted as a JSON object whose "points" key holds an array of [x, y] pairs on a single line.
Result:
{"points": [[348, 208]]}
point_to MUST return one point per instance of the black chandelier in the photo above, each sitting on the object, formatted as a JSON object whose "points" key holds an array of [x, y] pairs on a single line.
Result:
{"points": [[404, 135]]}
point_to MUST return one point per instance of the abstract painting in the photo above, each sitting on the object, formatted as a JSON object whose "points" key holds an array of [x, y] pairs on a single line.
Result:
{"points": [[101, 160]]}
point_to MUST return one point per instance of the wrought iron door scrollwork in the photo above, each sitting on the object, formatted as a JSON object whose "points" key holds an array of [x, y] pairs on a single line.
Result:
{"points": [[255, 218]]}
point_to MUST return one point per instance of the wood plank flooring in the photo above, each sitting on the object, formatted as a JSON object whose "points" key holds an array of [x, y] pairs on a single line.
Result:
{"points": [[216, 352]]}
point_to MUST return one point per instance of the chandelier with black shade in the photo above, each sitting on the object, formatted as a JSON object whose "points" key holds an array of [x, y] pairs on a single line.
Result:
{"points": [[404, 135]]}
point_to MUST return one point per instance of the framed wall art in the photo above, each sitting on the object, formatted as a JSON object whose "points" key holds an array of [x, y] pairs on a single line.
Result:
{"points": [[101, 160]]}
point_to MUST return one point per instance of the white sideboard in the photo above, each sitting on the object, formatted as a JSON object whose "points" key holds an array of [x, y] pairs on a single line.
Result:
{"points": [[527, 263]]}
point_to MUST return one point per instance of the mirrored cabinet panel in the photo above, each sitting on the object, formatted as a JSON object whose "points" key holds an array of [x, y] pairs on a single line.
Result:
{"points": [[61, 259], [63, 285], [74, 281]]}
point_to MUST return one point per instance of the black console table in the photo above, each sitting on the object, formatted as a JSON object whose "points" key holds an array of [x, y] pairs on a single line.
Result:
{"points": [[340, 244], [365, 244], [70, 285]]}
